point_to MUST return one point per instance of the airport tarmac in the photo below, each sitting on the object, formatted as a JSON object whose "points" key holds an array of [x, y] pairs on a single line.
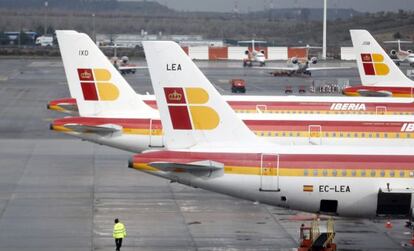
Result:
{"points": [[59, 193]]}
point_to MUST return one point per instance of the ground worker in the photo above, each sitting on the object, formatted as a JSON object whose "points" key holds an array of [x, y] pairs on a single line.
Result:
{"points": [[118, 234]]}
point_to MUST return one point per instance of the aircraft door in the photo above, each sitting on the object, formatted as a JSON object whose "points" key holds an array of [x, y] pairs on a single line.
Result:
{"points": [[261, 108], [156, 137], [269, 173], [380, 110], [315, 134]]}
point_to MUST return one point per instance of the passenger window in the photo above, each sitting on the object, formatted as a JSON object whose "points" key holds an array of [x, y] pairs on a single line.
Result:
{"points": [[325, 172], [392, 173], [353, 173], [334, 172], [382, 173], [363, 173], [315, 172], [306, 172], [344, 173], [373, 173], [402, 173], [378, 135]]}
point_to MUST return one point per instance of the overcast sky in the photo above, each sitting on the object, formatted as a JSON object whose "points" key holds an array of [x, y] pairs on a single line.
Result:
{"points": [[245, 5]]}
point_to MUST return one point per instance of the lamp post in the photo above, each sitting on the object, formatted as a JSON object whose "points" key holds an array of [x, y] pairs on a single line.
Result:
{"points": [[45, 30], [324, 30], [93, 24]]}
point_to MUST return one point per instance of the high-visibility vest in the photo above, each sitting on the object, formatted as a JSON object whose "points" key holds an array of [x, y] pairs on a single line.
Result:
{"points": [[119, 231]]}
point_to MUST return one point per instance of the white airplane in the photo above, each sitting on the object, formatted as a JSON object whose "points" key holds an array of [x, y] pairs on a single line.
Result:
{"points": [[122, 64], [301, 66], [379, 74], [400, 55], [254, 56], [111, 113], [208, 146]]}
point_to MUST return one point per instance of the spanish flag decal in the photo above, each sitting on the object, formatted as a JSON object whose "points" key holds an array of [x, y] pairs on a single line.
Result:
{"points": [[308, 188]]}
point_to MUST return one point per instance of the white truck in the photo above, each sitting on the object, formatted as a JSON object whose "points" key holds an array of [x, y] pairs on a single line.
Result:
{"points": [[44, 41]]}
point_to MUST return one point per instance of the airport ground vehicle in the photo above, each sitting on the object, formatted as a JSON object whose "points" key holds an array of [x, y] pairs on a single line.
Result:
{"points": [[238, 85], [44, 41]]}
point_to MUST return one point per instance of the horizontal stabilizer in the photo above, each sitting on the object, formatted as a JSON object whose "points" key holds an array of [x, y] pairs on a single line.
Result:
{"points": [[100, 129], [204, 165]]}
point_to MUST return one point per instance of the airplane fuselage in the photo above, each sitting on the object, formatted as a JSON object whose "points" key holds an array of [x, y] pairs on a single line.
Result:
{"points": [[345, 185], [137, 135]]}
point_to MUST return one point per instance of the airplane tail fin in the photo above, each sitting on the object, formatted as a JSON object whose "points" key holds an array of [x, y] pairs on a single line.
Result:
{"points": [[98, 87], [191, 109], [375, 67]]}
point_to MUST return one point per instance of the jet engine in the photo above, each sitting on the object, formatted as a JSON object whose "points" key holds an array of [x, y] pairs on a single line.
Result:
{"points": [[124, 59], [246, 52], [410, 51], [314, 60], [263, 52], [393, 52], [294, 60]]}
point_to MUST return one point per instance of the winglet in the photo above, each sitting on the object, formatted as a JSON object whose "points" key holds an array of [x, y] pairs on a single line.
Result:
{"points": [[375, 67], [98, 87], [191, 109]]}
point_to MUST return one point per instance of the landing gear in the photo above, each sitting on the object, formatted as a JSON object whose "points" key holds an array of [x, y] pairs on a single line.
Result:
{"points": [[307, 73]]}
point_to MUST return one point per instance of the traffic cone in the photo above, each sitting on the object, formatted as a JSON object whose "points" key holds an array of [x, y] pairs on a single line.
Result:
{"points": [[388, 224]]}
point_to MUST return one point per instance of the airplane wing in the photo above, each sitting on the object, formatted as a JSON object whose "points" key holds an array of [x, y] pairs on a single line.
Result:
{"points": [[98, 129], [278, 68], [328, 68], [204, 165]]}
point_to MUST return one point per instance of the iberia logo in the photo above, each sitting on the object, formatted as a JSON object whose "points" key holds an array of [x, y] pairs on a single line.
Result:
{"points": [[96, 86], [374, 64], [187, 111]]}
